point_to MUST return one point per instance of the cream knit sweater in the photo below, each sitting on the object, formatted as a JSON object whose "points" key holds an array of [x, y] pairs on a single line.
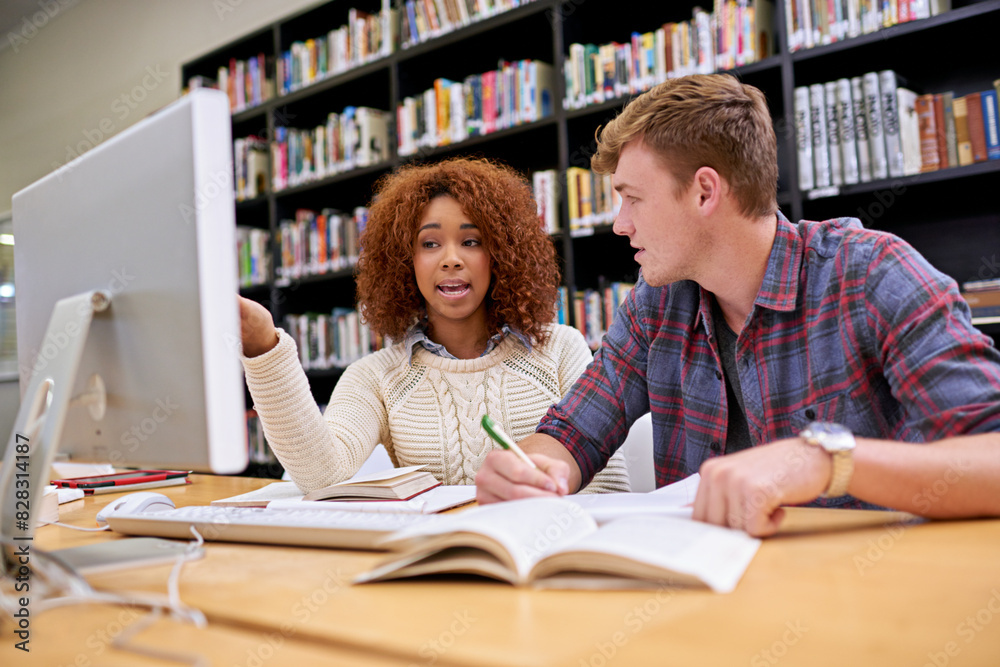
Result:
{"points": [[424, 413]]}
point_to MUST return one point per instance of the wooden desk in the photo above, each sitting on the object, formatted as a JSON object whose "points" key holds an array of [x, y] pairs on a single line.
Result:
{"points": [[859, 592]]}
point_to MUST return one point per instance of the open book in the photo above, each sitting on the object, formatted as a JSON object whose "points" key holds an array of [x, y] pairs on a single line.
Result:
{"points": [[286, 495], [554, 543], [391, 484]]}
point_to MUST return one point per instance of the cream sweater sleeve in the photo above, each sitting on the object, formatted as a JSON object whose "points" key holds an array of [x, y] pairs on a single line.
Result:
{"points": [[574, 357], [315, 451]]}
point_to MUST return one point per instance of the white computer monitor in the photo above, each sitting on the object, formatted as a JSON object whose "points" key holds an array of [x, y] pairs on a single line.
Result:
{"points": [[147, 220]]}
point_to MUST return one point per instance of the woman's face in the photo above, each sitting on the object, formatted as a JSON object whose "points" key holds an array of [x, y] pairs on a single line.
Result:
{"points": [[452, 268]]}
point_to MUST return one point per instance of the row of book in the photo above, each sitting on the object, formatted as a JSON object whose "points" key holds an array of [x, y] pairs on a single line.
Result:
{"points": [[253, 252], [247, 82], [956, 131], [983, 297], [365, 37], [421, 20], [594, 310], [315, 243], [738, 32], [870, 127], [257, 447], [810, 23], [591, 199], [515, 93], [357, 137], [332, 341]]}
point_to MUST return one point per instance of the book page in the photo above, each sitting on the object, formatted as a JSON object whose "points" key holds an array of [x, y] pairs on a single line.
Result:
{"points": [[672, 500], [659, 548], [262, 496], [522, 530]]}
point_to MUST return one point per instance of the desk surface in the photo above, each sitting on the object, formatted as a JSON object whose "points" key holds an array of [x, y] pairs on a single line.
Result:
{"points": [[838, 587]]}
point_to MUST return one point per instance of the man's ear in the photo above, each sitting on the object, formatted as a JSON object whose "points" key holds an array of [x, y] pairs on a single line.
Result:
{"points": [[707, 188]]}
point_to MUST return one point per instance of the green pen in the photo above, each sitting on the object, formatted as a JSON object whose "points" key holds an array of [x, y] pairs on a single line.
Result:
{"points": [[504, 440]]}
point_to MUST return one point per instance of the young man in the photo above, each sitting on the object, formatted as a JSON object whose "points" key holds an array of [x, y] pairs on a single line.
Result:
{"points": [[787, 363]]}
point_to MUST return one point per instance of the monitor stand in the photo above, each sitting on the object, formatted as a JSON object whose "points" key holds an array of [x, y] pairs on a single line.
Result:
{"points": [[33, 443]]}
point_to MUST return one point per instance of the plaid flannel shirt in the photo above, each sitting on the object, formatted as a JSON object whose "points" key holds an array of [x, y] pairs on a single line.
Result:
{"points": [[850, 325]]}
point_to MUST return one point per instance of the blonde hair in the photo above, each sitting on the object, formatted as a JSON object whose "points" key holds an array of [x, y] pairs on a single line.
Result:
{"points": [[703, 120]]}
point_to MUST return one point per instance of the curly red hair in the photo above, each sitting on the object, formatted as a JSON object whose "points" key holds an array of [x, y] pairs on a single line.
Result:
{"points": [[499, 201]]}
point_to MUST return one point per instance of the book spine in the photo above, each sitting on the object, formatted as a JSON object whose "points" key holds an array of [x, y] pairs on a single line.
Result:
{"points": [[929, 153], [990, 127], [909, 130], [977, 131], [833, 133], [861, 129], [820, 143], [890, 122], [948, 106], [939, 128], [873, 122], [964, 145], [848, 140], [803, 138]]}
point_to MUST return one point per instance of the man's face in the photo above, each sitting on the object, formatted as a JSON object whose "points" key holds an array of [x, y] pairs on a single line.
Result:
{"points": [[660, 225]]}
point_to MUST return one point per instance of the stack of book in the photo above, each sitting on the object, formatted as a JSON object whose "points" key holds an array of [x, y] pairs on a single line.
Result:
{"points": [[516, 93], [983, 297], [810, 24], [735, 34], [871, 127]]}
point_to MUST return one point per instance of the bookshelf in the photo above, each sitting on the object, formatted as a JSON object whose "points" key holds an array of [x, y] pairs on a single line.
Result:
{"points": [[947, 215]]}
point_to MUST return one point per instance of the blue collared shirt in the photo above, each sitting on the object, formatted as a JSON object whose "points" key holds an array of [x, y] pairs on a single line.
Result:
{"points": [[418, 335]]}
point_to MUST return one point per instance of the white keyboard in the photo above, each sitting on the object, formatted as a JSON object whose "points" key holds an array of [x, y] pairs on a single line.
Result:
{"points": [[300, 527]]}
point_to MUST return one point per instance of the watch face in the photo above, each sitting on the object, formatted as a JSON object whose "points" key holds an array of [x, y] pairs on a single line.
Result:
{"points": [[831, 437]]}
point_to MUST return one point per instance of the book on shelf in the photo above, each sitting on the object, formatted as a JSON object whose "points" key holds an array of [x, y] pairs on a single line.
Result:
{"points": [[909, 131], [803, 138], [848, 135], [555, 543], [875, 125], [951, 141], [546, 192], [991, 129], [927, 119], [889, 84], [820, 141], [253, 250], [834, 148], [940, 130], [962, 138], [861, 129], [977, 131]]}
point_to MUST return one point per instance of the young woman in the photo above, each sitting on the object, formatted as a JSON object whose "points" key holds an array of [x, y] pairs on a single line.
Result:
{"points": [[455, 268]]}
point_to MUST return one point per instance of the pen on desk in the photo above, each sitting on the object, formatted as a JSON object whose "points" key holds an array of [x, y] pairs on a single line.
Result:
{"points": [[504, 440]]}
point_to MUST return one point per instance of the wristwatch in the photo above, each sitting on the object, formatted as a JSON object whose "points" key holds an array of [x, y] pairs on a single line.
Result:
{"points": [[839, 442]]}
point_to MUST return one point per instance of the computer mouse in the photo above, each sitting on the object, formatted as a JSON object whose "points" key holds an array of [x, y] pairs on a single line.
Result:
{"points": [[140, 501]]}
